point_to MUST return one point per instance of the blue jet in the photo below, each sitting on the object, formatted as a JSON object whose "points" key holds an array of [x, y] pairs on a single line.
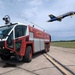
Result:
{"points": [[59, 18]]}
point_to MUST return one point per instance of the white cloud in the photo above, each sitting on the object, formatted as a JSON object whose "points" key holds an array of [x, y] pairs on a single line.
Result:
{"points": [[37, 11], [2, 6], [35, 2], [29, 12]]}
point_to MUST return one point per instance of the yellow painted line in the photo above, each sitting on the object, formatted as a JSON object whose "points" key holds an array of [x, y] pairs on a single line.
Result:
{"points": [[58, 65]]}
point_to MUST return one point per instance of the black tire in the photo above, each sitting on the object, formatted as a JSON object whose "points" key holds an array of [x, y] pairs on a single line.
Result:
{"points": [[19, 58], [45, 51], [28, 54], [46, 48], [4, 57]]}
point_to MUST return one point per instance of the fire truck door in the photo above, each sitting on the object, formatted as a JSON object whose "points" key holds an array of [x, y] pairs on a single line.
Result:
{"points": [[14, 43], [18, 38], [20, 31], [10, 41]]}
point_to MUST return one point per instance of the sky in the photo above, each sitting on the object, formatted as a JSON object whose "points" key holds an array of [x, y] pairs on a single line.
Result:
{"points": [[36, 12]]}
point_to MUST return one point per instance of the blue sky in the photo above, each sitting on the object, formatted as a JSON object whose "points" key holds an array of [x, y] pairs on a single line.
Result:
{"points": [[37, 11]]}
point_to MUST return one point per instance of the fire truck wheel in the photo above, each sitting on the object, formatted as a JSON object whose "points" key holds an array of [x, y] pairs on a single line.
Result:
{"points": [[46, 48], [19, 58], [3, 57], [28, 54]]}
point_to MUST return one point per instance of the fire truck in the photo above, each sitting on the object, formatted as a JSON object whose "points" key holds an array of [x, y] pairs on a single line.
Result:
{"points": [[22, 41]]}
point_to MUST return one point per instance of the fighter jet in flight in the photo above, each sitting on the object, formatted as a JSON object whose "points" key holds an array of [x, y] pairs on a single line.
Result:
{"points": [[59, 18]]}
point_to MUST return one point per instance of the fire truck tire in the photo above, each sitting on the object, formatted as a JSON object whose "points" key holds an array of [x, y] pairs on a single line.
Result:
{"points": [[28, 54], [46, 48], [19, 58], [3, 57]]}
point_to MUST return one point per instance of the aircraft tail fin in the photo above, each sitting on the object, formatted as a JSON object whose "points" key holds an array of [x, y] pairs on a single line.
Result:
{"points": [[52, 16]]}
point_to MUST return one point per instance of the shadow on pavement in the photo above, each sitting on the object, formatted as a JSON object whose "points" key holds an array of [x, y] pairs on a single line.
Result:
{"points": [[14, 63]]}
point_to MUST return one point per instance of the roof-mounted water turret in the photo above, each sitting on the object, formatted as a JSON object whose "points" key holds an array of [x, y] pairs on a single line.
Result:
{"points": [[6, 18]]}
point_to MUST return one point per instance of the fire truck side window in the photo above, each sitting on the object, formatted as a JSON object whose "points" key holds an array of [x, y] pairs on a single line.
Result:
{"points": [[20, 31], [10, 41]]}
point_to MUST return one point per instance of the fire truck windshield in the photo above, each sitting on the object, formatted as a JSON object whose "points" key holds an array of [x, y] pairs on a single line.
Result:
{"points": [[4, 31]]}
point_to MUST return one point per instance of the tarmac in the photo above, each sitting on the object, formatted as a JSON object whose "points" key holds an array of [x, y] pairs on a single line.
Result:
{"points": [[39, 64]]}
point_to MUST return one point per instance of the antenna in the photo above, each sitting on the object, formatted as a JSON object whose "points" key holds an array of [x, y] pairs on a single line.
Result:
{"points": [[6, 18]]}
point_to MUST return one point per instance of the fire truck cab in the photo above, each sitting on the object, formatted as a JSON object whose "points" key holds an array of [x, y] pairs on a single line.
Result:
{"points": [[22, 41]]}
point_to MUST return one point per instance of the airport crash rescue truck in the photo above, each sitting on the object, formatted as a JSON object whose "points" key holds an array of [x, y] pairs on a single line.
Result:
{"points": [[22, 41]]}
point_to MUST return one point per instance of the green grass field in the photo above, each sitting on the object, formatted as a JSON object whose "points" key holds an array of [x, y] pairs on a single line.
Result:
{"points": [[64, 44]]}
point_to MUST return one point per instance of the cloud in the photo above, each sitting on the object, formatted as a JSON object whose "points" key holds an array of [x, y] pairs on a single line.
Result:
{"points": [[66, 35], [37, 11], [38, 14], [29, 13], [1, 5], [35, 2]]}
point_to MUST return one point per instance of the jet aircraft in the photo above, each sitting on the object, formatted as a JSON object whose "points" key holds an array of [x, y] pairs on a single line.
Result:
{"points": [[59, 18]]}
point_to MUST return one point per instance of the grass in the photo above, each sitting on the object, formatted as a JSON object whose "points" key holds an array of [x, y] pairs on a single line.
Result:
{"points": [[64, 44]]}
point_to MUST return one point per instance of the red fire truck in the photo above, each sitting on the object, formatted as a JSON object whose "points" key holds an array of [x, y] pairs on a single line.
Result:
{"points": [[22, 41]]}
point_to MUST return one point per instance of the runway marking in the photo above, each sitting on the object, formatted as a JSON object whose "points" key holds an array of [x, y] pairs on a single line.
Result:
{"points": [[59, 66]]}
